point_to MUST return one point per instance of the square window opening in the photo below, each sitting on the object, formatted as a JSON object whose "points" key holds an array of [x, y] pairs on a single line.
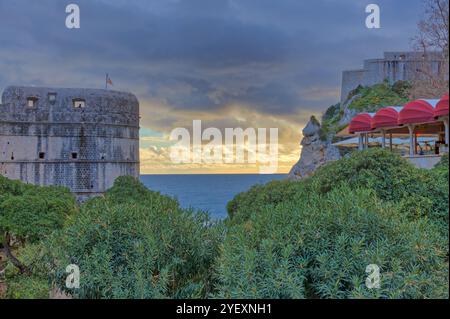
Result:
{"points": [[78, 103], [52, 97], [31, 101]]}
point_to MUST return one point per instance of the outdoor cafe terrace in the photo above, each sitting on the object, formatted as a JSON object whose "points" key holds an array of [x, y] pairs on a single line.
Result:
{"points": [[423, 123]]}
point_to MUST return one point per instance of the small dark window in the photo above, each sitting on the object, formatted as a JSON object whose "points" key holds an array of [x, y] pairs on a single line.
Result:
{"points": [[41, 155], [31, 101], [74, 155], [12, 156], [52, 97], [79, 103]]}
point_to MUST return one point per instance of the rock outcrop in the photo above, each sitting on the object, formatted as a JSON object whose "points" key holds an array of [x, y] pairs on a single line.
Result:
{"points": [[347, 113], [317, 148], [315, 152]]}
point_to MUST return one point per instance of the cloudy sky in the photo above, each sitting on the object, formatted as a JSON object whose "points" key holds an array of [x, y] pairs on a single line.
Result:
{"points": [[229, 63]]}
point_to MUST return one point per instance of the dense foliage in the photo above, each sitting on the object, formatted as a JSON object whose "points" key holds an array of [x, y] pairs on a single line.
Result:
{"points": [[29, 212], [136, 243], [284, 239], [29, 215], [419, 192], [364, 99], [371, 98], [316, 238], [331, 121]]}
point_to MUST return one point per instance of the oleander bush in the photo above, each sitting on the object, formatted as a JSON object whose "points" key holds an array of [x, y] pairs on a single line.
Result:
{"points": [[316, 238], [259, 197], [418, 191], [319, 245], [136, 243]]}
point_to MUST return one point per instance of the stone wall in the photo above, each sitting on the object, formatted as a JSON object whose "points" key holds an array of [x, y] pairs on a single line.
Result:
{"points": [[53, 142], [394, 66]]}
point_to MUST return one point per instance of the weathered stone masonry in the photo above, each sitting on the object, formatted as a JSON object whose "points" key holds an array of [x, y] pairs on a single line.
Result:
{"points": [[79, 138], [394, 66]]}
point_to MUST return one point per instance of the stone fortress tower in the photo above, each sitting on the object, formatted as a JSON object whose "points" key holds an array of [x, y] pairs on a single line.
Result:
{"points": [[82, 139], [394, 66]]}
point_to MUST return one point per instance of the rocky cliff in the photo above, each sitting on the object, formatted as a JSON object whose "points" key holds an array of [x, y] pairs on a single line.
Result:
{"points": [[317, 148], [315, 151]]}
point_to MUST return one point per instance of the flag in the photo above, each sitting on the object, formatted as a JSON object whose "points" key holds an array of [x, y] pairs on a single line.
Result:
{"points": [[108, 81]]}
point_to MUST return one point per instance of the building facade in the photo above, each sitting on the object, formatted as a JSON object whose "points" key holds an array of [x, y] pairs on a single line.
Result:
{"points": [[394, 66], [82, 139]]}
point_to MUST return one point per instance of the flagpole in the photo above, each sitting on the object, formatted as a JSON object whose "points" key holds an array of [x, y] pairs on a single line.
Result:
{"points": [[106, 81]]}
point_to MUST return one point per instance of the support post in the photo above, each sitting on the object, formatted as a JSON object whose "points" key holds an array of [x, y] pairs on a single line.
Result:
{"points": [[446, 131], [383, 139], [360, 142], [416, 145], [390, 142], [411, 140]]}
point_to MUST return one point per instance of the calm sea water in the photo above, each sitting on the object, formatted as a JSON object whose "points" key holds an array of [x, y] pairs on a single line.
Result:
{"points": [[206, 192]]}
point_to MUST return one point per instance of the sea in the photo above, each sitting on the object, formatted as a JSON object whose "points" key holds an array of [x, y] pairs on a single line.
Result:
{"points": [[207, 192]]}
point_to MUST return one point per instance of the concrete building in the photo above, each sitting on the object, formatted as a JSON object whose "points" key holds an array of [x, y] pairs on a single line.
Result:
{"points": [[394, 66], [79, 138]]}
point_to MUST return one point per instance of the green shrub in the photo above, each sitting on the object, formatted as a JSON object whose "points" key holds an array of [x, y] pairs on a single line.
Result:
{"points": [[32, 286], [314, 238], [29, 214], [27, 287], [330, 122], [402, 88], [442, 166], [380, 95], [259, 197], [36, 212], [135, 243], [319, 245], [11, 187], [332, 112], [419, 192]]}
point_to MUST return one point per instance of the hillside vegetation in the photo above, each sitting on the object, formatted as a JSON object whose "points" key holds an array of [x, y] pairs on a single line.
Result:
{"points": [[372, 98], [28, 216], [308, 239], [364, 99], [314, 238], [130, 243]]}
